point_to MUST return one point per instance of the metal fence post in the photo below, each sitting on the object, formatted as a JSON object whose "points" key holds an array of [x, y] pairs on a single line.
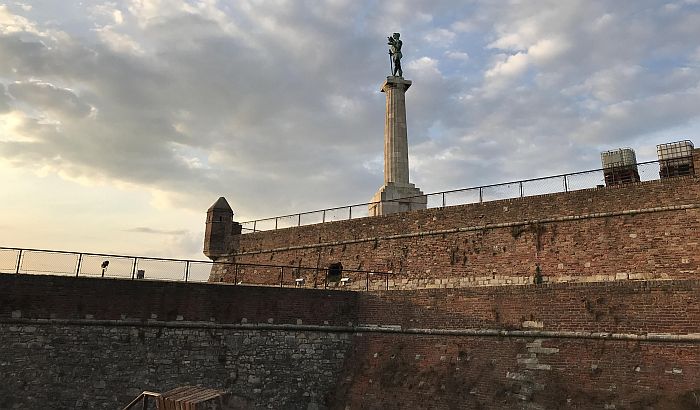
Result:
{"points": [[443, 200], [299, 220], [254, 224], [367, 281], [19, 261], [276, 218], [80, 261], [349, 212], [521, 188], [323, 220], [566, 184], [187, 270], [281, 275], [481, 194], [133, 269], [387, 281]]}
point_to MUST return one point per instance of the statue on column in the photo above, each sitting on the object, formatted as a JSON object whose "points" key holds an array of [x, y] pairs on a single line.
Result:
{"points": [[395, 54]]}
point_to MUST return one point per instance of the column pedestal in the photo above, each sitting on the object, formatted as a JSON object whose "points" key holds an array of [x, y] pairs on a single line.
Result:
{"points": [[395, 197]]}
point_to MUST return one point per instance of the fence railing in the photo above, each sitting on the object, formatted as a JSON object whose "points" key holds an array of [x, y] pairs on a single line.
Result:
{"points": [[86, 264], [645, 171]]}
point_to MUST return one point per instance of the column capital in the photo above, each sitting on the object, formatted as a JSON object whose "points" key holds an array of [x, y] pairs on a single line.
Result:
{"points": [[394, 82]]}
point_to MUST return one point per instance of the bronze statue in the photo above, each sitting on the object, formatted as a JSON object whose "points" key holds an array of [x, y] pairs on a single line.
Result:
{"points": [[395, 54]]}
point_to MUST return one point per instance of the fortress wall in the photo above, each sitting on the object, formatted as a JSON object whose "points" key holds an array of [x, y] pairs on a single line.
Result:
{"points": [[84, 365], [96, 343], [639, 231], [616, 307], [83, 343], [60, 297], [461, 372]]}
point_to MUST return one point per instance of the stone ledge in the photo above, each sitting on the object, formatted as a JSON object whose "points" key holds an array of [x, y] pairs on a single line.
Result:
{"points": [[692, 338]]}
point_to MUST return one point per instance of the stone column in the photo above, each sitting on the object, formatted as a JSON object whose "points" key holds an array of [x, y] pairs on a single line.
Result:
{"points": [[397, 194], [395, 132]]}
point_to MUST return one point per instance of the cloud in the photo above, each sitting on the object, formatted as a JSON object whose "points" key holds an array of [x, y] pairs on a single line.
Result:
{"points": [[4, 99], [440, 37], [277, 105], [144, 229], [510, 67], [560, 81], [457, 55], [47, 97], [644, 115], [168, 242], [424, 67], [547, 49], [12, 23]]}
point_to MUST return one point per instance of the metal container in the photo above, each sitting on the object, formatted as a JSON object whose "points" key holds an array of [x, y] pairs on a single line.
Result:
{"points": [[619, 166], [618, 158], [675, 159], [675, 150]]}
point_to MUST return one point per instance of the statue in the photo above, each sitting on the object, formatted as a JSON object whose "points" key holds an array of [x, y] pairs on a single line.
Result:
{"points": [[395, 54]]}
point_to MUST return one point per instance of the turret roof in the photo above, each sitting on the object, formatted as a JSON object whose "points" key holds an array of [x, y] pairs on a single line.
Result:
{"points": [[220, 205]]}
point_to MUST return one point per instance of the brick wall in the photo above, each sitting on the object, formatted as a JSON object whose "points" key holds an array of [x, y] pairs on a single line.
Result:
{"points": [[696, 161], [95, 343], [56, 297], [439, 372], [622, 307], [637, 307], [639, 231]]}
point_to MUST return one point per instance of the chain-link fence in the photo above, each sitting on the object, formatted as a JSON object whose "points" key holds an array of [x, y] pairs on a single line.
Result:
{"points": [[83, 264], [643, 171]]}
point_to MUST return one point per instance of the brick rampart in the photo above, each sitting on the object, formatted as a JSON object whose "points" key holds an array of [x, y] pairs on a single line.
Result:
{"points": [[638, 307], [56, 297], [644, 230], [437, 372], [95, 343]]}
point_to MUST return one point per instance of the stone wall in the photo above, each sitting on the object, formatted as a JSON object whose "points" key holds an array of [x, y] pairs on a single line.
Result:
{"points": [[91, 365], [96, 343], [638, 231]]}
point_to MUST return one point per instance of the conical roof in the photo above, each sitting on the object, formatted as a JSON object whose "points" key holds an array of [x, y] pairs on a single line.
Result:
{"points": [[221, 205]]}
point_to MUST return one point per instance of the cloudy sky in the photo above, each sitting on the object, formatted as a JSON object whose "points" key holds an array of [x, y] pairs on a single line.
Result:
{"points": [[122, 121]]}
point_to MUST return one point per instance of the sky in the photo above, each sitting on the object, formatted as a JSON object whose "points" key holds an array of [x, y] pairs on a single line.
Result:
{"points": [[121, 122]]}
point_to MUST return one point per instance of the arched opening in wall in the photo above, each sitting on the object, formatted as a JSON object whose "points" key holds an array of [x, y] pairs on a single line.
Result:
{"points": [[334, 273]]}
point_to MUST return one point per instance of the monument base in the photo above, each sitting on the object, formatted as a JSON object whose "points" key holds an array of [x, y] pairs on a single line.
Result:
{"points": [[396, 197]]}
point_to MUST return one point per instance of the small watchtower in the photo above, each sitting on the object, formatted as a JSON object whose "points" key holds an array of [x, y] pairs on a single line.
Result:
{"points": [[220, 230]]}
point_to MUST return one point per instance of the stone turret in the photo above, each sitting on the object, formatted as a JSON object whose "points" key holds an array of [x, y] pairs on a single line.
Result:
{"points": [[221, 234]]}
